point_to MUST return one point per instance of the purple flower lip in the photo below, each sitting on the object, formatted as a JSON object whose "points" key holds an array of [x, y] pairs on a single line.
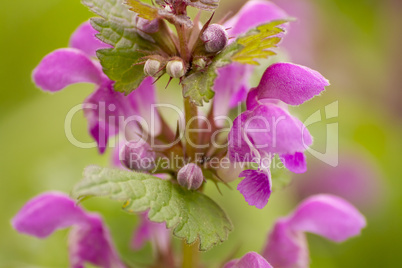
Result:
{"points": [[291, 83], [48, 212], [67, 66], [325, 215]]}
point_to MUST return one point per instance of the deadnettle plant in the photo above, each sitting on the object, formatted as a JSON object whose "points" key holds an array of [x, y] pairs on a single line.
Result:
{"points": [[160, 171]]}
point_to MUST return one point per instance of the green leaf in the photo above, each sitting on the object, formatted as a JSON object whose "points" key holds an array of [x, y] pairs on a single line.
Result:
{"points": [[117, 35], [190, 214], [254, 44], [123, 66], [116, 27], [112, 10], [198, 87], [143, 10]]}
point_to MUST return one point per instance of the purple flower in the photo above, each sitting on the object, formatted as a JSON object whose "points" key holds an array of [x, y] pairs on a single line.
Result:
{"points": [[325, 215], [266, 127], [254, 187], [155, 232], [232, 85], [250, 260], [89, 239], [107, 111]]}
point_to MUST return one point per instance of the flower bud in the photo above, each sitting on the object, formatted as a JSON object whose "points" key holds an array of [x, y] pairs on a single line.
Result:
{"points": [[148, 26], [215, 38], [175, 68], [190, 177], [138, 156], [199, 63], [153, 68]]}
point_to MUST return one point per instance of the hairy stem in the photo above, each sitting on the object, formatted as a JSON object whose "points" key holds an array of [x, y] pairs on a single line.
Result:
{"points": [[190, 255], [182, 34], [190, 252], [191, 134]]}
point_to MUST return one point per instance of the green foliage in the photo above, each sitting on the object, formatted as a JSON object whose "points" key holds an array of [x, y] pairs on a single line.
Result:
{"points": [[198, 87], [123, 66], [112, 10], [144, 11], [253, 45], [118, 35], [190, 214], [122, 63]]}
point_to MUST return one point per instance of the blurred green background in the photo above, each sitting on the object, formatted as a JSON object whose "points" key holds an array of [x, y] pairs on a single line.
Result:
{"points": [[355, 44]]}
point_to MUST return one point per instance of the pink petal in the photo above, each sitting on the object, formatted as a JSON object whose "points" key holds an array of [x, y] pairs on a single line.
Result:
{"points": [[255, 187], [92, 243], [105, 109], [109, 112], [89, 240], [252, 14], [153, 232], [295, 162], [231, 87], [64, 67], [328, 216], [143, 101], [46, 213], [252, 99], [85, 40], [238, 149], [286, 248], [250, 260], [271, 129], [116, 161], [290, 83]]}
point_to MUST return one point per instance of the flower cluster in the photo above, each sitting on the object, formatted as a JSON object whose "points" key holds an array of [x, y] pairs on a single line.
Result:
{"points": [[124, 53]]}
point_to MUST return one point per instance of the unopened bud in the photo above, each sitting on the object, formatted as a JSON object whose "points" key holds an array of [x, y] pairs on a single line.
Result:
{"points": [[215, 38], [190, 177], [199, 63], [148, 26], [175, 68], [138, 156], [153, 68]]}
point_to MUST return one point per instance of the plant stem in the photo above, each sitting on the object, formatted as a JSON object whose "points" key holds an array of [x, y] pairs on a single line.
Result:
{"points": [[190, 252], [190, 255], [182, 34], [191, 135]]}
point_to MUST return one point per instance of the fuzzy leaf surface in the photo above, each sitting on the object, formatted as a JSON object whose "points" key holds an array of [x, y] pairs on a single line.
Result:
{"points": [[191, 215], [116, 27], [112, 10], [122, 66]]}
